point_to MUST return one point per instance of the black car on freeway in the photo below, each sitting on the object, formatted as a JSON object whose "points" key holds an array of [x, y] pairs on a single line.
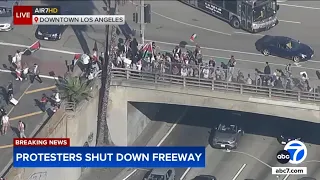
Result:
{"points": [[50, 32], [284, 47], [284, 139], [205, 177], [226, 136]]}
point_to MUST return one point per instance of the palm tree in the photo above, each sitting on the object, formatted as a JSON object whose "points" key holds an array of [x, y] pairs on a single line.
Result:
{"points": [[74, 89], [103, 133]]}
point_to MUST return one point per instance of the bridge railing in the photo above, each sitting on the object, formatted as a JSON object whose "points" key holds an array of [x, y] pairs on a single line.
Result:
{"points": [[216, 85]]}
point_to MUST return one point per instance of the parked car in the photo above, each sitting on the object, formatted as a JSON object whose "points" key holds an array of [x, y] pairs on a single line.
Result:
{"points": [[226, 136], [161, 174], [50, 32], [6, 14], [205, 177], [284, 139], [284, 47]]}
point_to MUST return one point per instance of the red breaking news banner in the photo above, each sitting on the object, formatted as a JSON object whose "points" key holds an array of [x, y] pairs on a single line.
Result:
{"points": [[22, 15], [41, 142]]}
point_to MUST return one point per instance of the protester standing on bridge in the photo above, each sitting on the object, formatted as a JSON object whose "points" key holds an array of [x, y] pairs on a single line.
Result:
{"points": [[267, 69], [231, 65], [288, 70], [4, 123], [249, 80], [35, 74], [22, 128]]}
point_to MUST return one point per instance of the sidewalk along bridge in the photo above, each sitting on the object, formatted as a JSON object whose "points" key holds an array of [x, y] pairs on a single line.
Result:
{"points": [[216, 85]]}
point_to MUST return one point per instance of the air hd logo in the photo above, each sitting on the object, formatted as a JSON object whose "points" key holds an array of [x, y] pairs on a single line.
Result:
{"points": [[295, 152]]}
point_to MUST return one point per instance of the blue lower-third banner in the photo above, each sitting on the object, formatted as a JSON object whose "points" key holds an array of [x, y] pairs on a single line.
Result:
{"points": [[111, 157]]}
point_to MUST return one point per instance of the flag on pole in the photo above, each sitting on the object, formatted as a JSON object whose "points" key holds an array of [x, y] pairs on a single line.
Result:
{"points": [[147, 50], [34, 47], [193, 37]]}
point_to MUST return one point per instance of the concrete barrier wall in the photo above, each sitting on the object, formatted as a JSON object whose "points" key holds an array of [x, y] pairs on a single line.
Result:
{"points": [[134, 91], [139, 115], [80, 126]]}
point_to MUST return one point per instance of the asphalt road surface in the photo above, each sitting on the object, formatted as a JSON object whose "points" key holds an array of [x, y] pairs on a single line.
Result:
{"points": [[27, 110], [258, 141], [219, 40], [173, 22]]}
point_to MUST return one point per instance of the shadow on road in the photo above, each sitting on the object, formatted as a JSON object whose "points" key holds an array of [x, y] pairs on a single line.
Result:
{"points": [[76, 8], [258, 124]]}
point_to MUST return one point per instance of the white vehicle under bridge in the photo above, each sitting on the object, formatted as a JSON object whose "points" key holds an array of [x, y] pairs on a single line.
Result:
{"points": [[250, 15]]}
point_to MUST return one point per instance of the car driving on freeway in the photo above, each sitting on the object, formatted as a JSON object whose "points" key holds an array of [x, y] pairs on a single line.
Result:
{"points": [[50, 32], [205, 177], [161, 174], [226, 136], [284, 139], [284, 47]]}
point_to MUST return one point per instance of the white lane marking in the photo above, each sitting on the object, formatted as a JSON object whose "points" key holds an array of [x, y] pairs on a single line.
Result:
{"points": [[239, 172], [43, 76], [214, 49], [191, 25], [185, 173], [44, 49], [282, 1], [287, 176], [163, 139], [247, 154], [298, 6], [294, 22], [250, 34]]}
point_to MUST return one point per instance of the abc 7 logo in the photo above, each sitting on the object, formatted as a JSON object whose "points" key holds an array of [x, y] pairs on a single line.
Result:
{"points": [[295, 152]]}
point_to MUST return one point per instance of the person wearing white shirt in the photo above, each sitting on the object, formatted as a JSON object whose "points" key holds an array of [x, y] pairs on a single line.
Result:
{"points": [[249, 80], [4, 124], [184, 72], [206, 73], [18, 56], [139, 65]]}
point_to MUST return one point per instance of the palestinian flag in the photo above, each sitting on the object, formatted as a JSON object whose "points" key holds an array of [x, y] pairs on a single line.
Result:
{"points": [[193, 37], [77, 56], [147, 50], [34, 47]]}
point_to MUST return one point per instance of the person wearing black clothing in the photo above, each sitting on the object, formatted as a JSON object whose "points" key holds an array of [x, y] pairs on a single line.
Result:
{"points": [[121, 48], [10, 90], [177, 50], [134, 47], [267, 73], [267, 69], [35, 74]]}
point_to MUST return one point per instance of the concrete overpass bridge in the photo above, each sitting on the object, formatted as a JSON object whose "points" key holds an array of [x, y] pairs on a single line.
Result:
{"points": [[132, 86]]}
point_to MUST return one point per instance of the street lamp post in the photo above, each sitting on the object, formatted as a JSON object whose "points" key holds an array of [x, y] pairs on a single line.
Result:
{"points": [[142, 24]]}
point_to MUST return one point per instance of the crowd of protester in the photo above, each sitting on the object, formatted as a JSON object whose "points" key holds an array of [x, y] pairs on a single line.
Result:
{"points": [[190, 63]]}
